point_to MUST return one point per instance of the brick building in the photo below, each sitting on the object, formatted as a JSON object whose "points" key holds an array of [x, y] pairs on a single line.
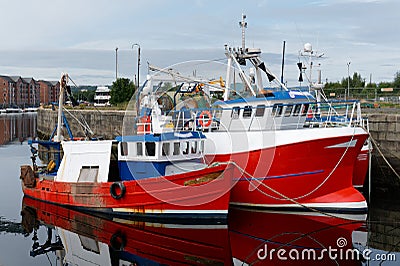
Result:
{"points": [[7, 91], [25, 92], [49, 91], [33, 90]]}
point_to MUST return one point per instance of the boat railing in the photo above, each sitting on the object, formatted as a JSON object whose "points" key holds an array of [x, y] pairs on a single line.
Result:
{"points": [[335, 113], [195, 119], [269, 117]]}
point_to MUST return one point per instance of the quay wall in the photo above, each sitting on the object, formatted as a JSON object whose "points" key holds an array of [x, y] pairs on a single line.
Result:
{"points": [[105, 124], [384, 128]]}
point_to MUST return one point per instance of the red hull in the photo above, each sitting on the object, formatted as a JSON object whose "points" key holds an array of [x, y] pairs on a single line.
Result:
{"points": [[253, 233], [198, 194], [161, 243], [361, 168], [309, 173]]}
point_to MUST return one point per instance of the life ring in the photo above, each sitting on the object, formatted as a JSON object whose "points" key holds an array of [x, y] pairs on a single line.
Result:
{"points": [[118, 241], [201, 118], [117, 190]]}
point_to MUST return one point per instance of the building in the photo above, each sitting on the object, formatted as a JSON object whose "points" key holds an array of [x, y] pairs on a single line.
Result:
{"points": [[32, 92], [7, 92], [49, 91], [102, 96], [16, 91]]}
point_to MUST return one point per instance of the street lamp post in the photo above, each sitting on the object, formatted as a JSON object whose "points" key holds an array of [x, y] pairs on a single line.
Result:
{"points": [[348, 81], [116, 63], [138, 63]]}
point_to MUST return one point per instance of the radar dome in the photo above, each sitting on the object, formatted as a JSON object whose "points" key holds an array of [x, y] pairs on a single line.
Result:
{"points": [[307, 47]]}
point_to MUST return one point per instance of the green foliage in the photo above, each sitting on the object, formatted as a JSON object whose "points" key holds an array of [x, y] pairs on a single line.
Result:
{"points": [[355, 82], [396, 82], [121, 91], [84, 93], [386, 85]]}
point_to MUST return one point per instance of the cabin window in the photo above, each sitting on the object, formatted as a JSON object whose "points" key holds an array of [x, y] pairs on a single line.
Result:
{"points": [[150, 148], [260, 110], [165, 149], [235, 112], [247, 110], [89, 244], [201, 148], [305, 109], [194, 147], [297, 108], [186, 148], [124, 149], [277, 110], [177, 147], [88, 174], [288, 110], [139, 149]]}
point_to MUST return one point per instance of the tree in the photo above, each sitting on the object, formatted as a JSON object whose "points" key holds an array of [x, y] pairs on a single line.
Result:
{"points": [[122, 90], [355, 82], [396, 82]]}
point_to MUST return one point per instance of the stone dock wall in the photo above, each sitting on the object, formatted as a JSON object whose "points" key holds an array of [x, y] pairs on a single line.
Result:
{"points": [[104, 124], [384, 128]]}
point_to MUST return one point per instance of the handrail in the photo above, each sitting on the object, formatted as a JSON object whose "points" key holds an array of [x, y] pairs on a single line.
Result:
{"points": [[326, 115]]}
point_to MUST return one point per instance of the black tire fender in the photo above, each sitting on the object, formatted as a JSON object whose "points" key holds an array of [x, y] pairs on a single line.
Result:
{"points": [[117, 190]]}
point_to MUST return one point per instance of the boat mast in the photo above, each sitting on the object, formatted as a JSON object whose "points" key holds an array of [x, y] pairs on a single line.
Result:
{"points": [[243, 25], [63, 84]]}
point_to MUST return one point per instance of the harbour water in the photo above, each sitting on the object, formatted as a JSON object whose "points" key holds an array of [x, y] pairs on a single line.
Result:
{"points": [[31, 232]]}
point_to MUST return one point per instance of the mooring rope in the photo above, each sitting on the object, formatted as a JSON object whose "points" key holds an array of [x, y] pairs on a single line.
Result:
{"points": [[277, 192]]}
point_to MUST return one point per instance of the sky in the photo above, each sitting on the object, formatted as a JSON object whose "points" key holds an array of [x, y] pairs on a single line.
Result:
{"points": [[44, 38]]}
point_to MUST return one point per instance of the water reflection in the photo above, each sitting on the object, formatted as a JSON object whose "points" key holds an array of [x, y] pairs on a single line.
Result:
{"points": [[17, 126], [91, 240], [83, 239]]}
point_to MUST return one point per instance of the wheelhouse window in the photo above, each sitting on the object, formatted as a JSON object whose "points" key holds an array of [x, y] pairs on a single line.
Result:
{"points": [[177, 148], [288, 110], [260, 110], [194, 147], [305, 109], [186, 148], [124, 149], [297, 109], [235, 112], [150, 148], [139, 148], [165, 149], [201, 148], [277, 110], [247, 110]]}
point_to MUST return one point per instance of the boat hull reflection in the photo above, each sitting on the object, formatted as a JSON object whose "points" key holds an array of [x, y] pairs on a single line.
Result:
{"points": [[89, 240], [294, 238]]}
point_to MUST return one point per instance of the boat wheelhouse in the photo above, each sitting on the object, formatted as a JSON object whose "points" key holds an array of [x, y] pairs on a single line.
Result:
{"points": [[149, 155]]}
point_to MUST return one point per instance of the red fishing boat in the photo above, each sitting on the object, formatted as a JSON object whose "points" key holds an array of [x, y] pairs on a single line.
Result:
{"points": [[293, 150], [154, 175]]}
